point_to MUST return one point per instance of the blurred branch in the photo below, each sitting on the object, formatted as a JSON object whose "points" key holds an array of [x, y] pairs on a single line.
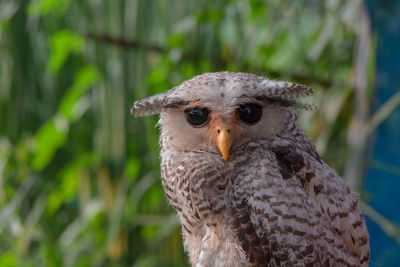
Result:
{"points": [[355, 136], [136, 44], [386, 225], [360, 128], [323, 38], [7, 212], [123, 42], [142, 186], [384, 111], [384, 167]]}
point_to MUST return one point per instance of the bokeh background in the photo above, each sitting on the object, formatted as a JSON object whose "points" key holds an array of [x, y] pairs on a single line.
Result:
{"points": [[79, 177]]}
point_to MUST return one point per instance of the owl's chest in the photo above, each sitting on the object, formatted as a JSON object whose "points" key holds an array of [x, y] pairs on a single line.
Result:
{"points": [[201, 195], [197, 189], [215, 245]]}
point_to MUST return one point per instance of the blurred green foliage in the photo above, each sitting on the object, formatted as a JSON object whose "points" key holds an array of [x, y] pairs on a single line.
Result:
{"points": [[79, 177]]}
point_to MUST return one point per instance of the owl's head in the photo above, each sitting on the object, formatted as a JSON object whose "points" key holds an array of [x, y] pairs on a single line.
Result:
{"points": [[222, 111]]}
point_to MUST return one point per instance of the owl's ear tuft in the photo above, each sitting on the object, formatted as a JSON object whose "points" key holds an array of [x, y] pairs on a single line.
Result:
{"points": [[155, 104], [285, 90], [286, 93], [149, 106]]}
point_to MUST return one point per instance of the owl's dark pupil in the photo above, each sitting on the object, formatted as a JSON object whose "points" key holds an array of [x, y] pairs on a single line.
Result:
{"points": [[197, 117], [249, 113]]}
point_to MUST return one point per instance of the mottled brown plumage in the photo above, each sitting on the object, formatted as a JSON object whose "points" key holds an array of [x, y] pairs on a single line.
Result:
{"points": [[252, 194]]}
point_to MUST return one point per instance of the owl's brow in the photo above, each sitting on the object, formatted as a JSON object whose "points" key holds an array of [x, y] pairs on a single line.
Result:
{"points": [[245, 99], [177, 104], [265, 100], [195, 103], [277, 100]]}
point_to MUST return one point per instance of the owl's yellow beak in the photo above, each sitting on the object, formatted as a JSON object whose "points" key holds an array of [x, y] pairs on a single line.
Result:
{"points": [[223, 140]]}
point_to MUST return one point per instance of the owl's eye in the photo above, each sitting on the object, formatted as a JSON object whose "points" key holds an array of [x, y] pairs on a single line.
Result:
{"points": [[197, 117], [249, 113]]}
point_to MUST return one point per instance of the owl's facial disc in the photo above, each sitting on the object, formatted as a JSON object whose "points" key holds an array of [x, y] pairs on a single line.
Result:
{"points": [[221, 124]]}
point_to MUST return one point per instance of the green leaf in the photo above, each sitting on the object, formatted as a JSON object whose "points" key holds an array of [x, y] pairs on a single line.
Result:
{"points": [[9, 259], [62, 44], [69, 176], [132, 168], [51, 136], [69, 106], [46, 7]]}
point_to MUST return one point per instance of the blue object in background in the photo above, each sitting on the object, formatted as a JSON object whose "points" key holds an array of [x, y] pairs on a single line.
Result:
{"points": [[382, 184]]}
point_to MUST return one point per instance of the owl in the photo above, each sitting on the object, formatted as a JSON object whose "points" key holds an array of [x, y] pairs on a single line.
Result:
{"points": [[248, 186]]}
